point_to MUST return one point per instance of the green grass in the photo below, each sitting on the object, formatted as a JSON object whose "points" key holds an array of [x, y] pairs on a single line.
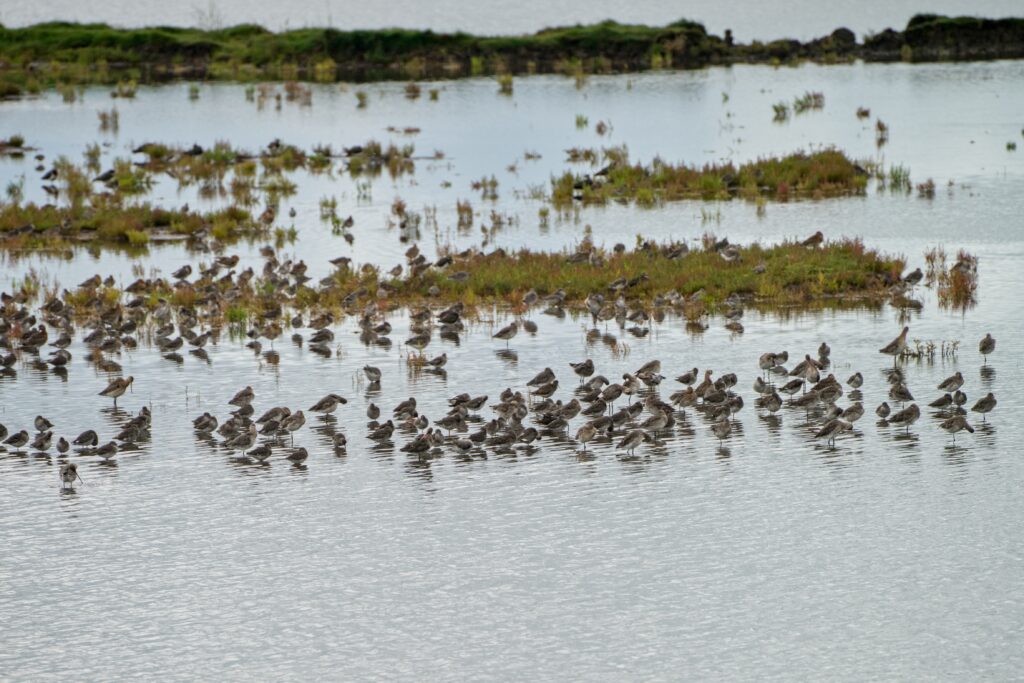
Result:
{"points": [[113, 224], [824, 173], [792, 274]]}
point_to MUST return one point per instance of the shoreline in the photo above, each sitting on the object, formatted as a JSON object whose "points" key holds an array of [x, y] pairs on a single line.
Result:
{"points": [[57, 53]]}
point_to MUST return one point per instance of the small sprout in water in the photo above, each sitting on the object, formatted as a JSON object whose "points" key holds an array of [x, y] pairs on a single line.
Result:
{"points": [[505, 84]]}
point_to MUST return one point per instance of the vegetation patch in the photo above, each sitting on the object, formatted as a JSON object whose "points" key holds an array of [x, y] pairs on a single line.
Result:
{"points": [[786, 273], [824, 173], [110, 223]]}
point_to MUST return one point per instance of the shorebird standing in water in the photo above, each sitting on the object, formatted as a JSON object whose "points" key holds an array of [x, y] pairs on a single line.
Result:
{"points": [[632, 440], [107, 451], [722, 429], [243, 441], [18, 440], [116, 388], [586, 433], [986, 346], [896, 346], [985, 405], [832, 429], [506, 333], [68, 475], [328, 404], [293, 423], [955, 424], [372, 373], [87, 438], [952, 383], [907, 416], [298, 455], [243, 397], [583, 369]]}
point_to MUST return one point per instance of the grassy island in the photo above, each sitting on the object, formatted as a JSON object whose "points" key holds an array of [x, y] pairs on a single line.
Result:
{"points": [[824, 173]]}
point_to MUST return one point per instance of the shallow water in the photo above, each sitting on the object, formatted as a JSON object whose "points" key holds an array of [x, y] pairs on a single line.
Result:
{"points": [[768, 556]]}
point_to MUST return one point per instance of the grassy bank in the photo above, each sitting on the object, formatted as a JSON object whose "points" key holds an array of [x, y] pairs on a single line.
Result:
{"points": [[58, 52], [824, 173]]}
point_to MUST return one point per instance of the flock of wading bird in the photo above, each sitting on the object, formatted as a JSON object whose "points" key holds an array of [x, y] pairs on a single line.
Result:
{"points": [[113, 325]]}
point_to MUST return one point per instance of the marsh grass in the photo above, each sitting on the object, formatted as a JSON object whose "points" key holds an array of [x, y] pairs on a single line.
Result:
{"points": [[809, 101], [505, 84], [110, 223], [957, 284], [110, 120], [824, 173], [14, 146], [926, 350], [125, 89], [898, 179], [792, 274]]}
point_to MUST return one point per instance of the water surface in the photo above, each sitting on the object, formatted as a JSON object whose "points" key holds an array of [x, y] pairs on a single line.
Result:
{"points": [[771, 556]]}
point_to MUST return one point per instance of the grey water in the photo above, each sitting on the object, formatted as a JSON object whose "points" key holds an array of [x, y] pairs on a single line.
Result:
{"points": [[896, 554]]}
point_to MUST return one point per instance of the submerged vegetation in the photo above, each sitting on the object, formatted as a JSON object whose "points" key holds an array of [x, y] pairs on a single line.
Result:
{"points": [[804, 103], [55, 53], [824, 173], [957, 285]]}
